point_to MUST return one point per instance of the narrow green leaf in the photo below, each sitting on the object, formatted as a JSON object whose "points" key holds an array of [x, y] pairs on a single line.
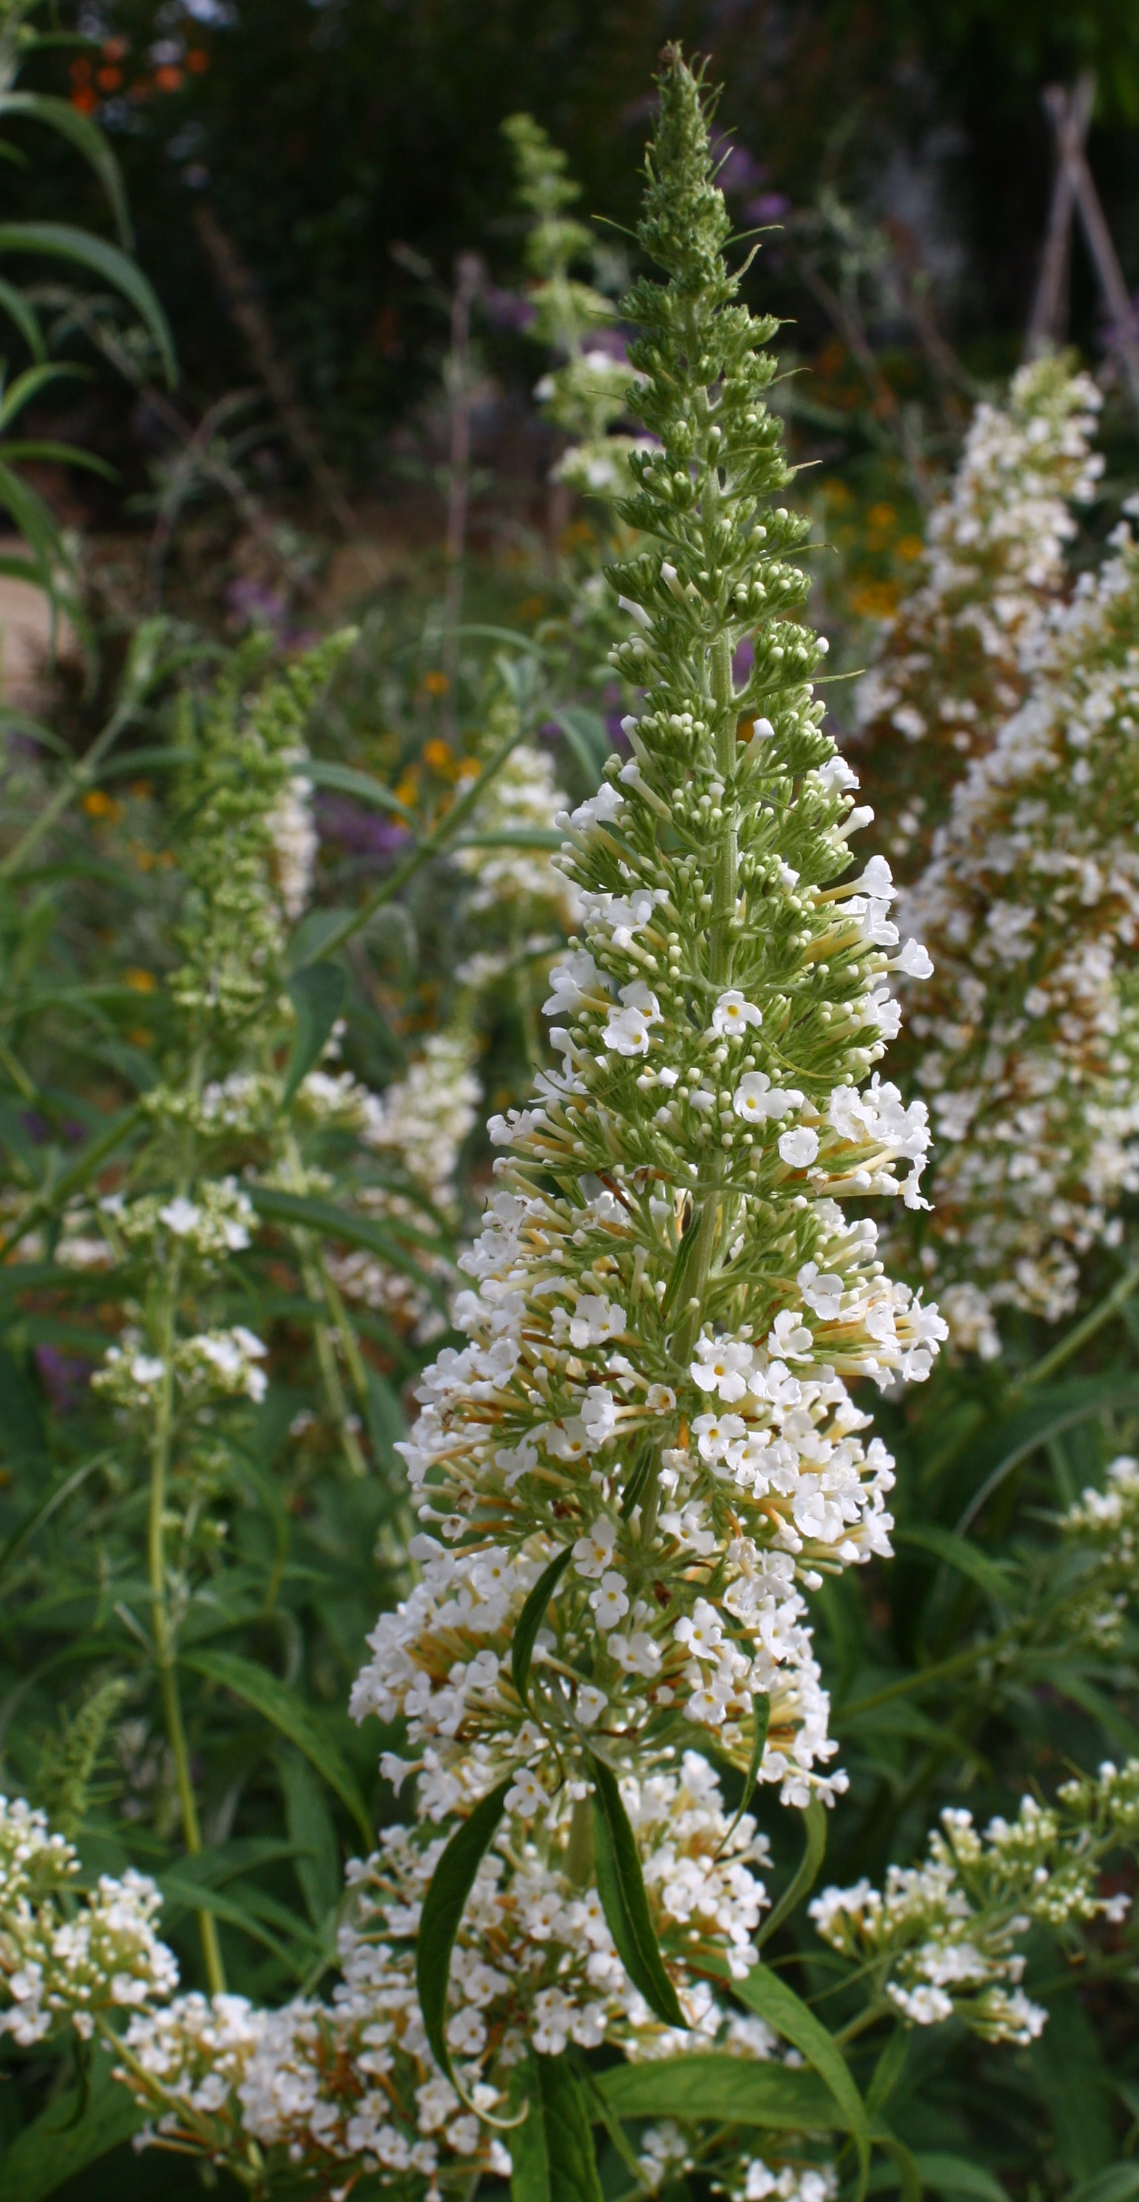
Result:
{"points": [[725, 2089], [269, 1697], [770, 1996], [443, 1907], [317, 993], [906, 2172], [815, 1827], [59, 241], [332, 1222], [385, 1418], [512, 837], [1117, 2184], [761, 1716], [586, 734], [87, 138], [58, 2144], [530, 1621], [954, 2175], [944, 1544], [15, 305], [551, 2152], [312, 1834], [347, 781], [621, 1887]]}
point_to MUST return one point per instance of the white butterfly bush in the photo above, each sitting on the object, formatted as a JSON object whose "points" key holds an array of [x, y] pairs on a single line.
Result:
{"points": [[953, 663], [1026, 1038]]}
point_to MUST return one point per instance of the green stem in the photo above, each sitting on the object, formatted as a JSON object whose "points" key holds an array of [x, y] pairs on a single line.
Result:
{"points": [[936, 1673], [317, 1288], [80, 776], [164, 1646], [579, 1849], [432, 845]]}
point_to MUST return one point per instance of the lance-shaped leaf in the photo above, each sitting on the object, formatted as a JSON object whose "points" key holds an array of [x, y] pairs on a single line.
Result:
{"points": [[443, 1908], [551, 2152], [621, 1887], [768, 1994], [317, 994], [530, 1621]]}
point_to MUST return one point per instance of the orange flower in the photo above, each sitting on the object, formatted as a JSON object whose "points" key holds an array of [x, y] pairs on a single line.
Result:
{"points": [[437, 754], [85, 99], [197, 60], [436, 684], [98, 804], [168, 79], [143, 982], [109, 79]]}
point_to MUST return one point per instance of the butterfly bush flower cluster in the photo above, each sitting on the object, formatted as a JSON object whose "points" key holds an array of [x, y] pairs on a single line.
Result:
{"points": [[415, 1132], [667, 1300], [942, 1939], [69, 1953], [1102, 1531], [586, 393], [1026, 1040], [954, 661], [354, 2082]]}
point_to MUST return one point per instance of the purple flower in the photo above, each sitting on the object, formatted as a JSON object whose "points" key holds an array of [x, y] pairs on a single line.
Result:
{"points": [[360, 832], [64, 1378], [743, 659], [770, 206], [507, 309], [736, 170]]}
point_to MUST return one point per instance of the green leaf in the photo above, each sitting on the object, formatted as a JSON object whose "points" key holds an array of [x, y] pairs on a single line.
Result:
{"points": [[15, 305], [761, 1715], [347, 781], [906, 2173], [1066, 2063], [385, 1418], [585, 731], [530, 1621], [306, 945], [58, 2144], [512, 837], [988, 1574], [312, 1834], [87, 138], [279, 1705], [621, 1887], [443, 1907], [332, 1222], [317, 993], [725, 2090], [551, 2152], [767, 1994], [953, 2175], [1117, 2184], [815, 1827], [59, 241]]}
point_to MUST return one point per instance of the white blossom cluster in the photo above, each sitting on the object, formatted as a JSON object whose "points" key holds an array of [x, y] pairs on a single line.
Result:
{"points": [[355, 2082], [294, 839], [419, 1124], [1102, 1529], [667, 2150], [1026, 1039], [941, 1938], [523, 798], [223, 1363], [69, 1953], [953, 662]]}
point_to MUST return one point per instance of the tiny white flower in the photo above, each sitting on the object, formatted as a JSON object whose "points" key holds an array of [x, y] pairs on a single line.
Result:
{"points": [[734, 1013], [799, 1146]]}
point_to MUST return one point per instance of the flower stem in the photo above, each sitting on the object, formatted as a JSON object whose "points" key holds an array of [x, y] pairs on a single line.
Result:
{"points": [[164, 1649]]}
